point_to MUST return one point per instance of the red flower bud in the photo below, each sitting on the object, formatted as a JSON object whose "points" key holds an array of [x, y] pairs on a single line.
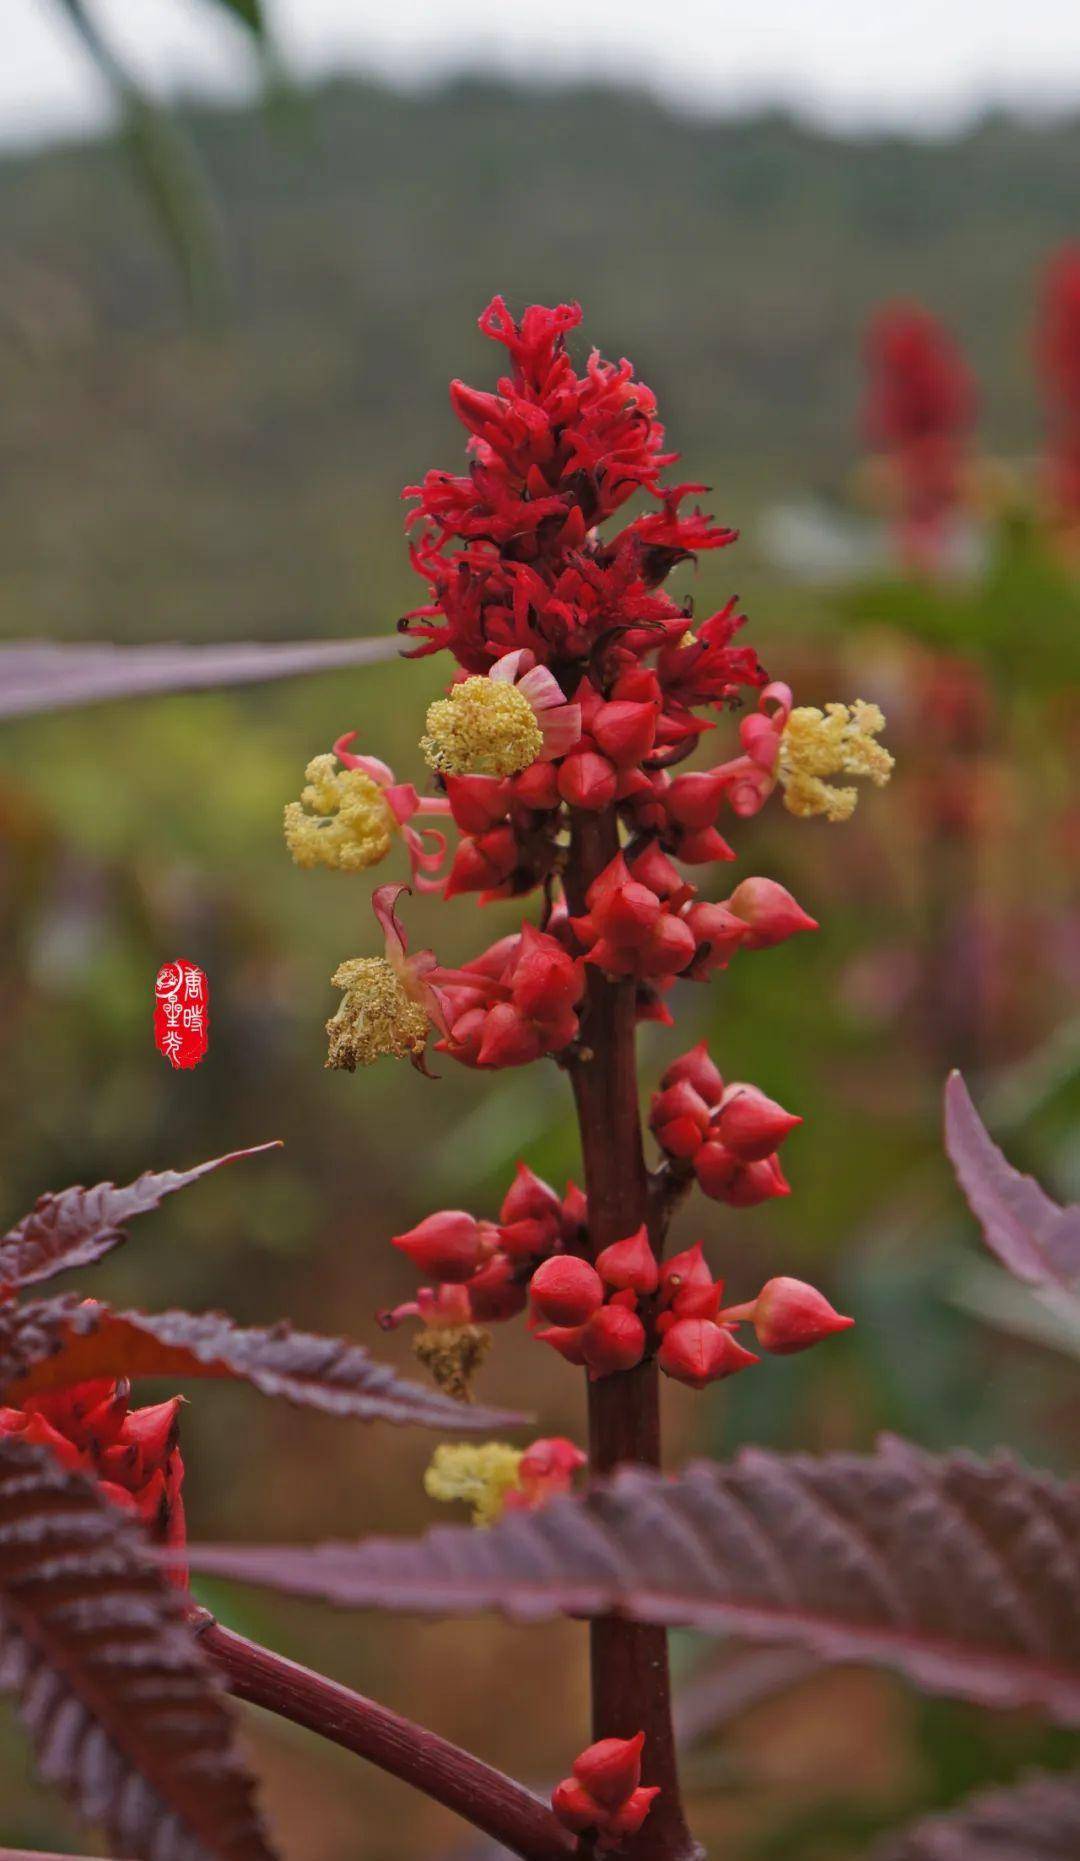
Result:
{"points": [[752, 1125], [717, 932], [610, 1770], [495, 1293], [551, 1464], [586, 780], [449, 1245], [628, 1818], [755, 1182], [690, 1268], [693, 800], [624, 731], [789, 1316], [715, 1168], [529, 1198], [477, 802], [699, 1071], [679, 1119], [566, 1291], [697, 1352], [508, 1039], [630, 1265], [574, 1806], [482, 864], [613, 1339], [568, 1340], [537, 787], [770, 912]]}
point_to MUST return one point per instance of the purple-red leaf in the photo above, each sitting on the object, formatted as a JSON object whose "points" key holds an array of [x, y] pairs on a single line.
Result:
{"points": [[962, 1574], [1038, 1820], [51, 1343], [77, 1226], [125, 1714], [36, 675], [1033, 1236]]}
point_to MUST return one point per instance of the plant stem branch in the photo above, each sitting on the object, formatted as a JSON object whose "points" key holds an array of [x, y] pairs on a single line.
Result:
{"points": [[631, 1687], [486, 1797]]}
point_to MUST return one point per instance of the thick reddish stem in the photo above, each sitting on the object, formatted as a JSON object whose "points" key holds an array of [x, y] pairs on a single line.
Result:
{"points": [[631, 1687], [486, 1797]]}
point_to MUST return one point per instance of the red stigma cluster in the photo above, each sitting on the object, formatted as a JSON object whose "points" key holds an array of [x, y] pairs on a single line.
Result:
{"points": [[131, 1453], [604, 1796]]}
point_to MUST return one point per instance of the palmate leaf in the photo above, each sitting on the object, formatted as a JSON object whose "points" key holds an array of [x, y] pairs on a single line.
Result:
{"points": [[1038, 1820], [125, 1714], [1033, 1236], [38, 676], [75, 1227], [50, 1343], [962, 1574]]}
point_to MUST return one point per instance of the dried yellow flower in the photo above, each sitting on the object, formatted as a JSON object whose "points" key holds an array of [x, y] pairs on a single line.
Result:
{"points": [[840, 740], [480, 1473], [342, 819], [376, 1016], [483, 727]]}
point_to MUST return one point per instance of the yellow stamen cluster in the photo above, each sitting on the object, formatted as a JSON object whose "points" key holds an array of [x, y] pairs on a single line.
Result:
{"points": [[376, 1016], [840, 740], [484, 727], [452, 1355], [342, 819], [481, 1473]]}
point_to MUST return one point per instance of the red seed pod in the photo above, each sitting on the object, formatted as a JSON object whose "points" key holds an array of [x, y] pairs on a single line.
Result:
{"points": [[477, 802], [697, 1352], [482, 864], [770, 912], [630, 1265], [449, 1245], [552, 1461], [529, 1198], [610, 1770], [509, 1038], [628, 1818], [790, 1316], [715, 1168], [575, 1216], [537, 787], [613, 1340], [717, 932], [693, 800], [697, 1069], [752, 1125], [566, 1291], [546, 977]]}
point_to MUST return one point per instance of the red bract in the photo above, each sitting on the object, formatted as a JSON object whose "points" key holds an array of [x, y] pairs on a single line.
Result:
{"points": [[1058, 355]]}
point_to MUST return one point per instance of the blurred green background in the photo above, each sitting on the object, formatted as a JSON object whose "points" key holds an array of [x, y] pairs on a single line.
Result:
{"points": [[160, 483]]}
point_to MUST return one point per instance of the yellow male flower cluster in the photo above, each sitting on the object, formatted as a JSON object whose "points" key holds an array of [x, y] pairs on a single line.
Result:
{"points": [[482, 1473], [840, 740], [484, 727], [376, 1016], [342, 819]]}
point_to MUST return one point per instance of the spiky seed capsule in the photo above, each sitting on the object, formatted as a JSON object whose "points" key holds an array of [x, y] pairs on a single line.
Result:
{"points": [[840, 740], [342, 819], [484, 727], [376, 1017]]}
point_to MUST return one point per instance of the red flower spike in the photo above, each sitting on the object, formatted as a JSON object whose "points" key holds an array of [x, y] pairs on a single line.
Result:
{"points": [[789, 1316], [769, 911], [697, 1352], [630, 1265], [699, 1071], [613, 1340], [751, 1125], [610, 1770], [450, 1245], [565, 1290]]}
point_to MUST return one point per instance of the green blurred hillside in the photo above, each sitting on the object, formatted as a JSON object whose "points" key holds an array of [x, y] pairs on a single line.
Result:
{"points": [[154, 483]]}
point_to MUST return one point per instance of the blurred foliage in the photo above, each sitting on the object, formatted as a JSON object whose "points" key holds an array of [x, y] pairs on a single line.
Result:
{"points": [[160, 485]]}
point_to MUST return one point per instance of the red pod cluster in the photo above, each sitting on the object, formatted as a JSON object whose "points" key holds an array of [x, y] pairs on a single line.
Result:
{"points": [[728, 1134], [512, 1004], [604, 1796]]}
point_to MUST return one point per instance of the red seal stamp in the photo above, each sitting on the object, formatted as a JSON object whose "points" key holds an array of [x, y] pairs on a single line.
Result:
{"points": [[181, 1013]]}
